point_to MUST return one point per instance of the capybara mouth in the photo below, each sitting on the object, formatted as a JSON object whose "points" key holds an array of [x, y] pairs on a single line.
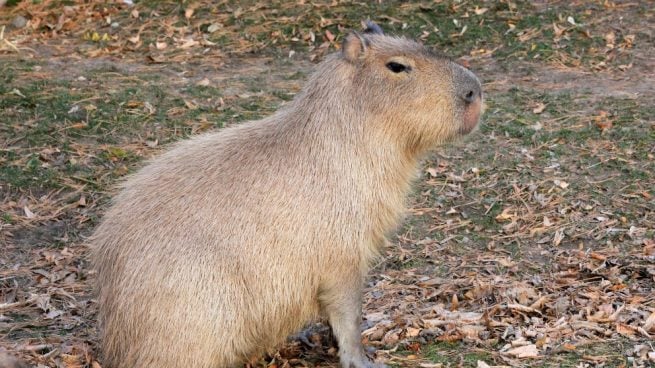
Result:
{"points": [[471, 116]]}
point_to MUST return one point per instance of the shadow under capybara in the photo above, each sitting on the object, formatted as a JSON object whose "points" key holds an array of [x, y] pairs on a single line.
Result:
{"points": [[231, 241]]}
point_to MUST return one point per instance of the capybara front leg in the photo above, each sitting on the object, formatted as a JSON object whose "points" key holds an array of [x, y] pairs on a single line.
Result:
{"points": [[342, 303]]}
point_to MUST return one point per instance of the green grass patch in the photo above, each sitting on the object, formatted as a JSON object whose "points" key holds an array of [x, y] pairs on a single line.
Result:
{"points": [[455, 354]]}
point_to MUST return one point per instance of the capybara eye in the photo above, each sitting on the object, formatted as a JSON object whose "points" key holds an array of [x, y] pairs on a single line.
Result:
{"points": [[397, 67]]}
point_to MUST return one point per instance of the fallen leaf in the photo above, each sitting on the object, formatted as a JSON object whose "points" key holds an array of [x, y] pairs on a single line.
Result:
{"points": [[522, 308], [214, 27], [561, 183], [506, 215], [625, 330], [188, 43], [188, 13], [454, 303], [527, 351], [610, 40], [135, 39], [568, 347], [205, 82], [329, 35], [53, 314], [539, 108], [28, 213], [559, 236], [602, 121], [559, 31], [479, 11]]}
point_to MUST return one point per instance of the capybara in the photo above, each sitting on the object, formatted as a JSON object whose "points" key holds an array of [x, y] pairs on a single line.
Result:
{"points": [[232, 240], [9, 361]]}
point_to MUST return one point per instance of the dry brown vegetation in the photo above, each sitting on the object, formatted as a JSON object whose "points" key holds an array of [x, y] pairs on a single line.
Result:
{"points": [[531, 243]]}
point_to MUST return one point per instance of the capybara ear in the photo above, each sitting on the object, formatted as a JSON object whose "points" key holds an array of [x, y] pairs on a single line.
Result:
{"points": [[373, 28], [354, 46]]}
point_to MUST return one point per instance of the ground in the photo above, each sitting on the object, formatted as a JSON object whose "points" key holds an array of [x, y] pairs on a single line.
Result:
{"points": [[530, 243]]}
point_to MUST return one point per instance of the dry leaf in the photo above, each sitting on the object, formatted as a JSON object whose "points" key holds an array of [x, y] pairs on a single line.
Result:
{"points": [[329, 35], [559, 31], [561, 183], [527, 351], [471, 331], [559, 236], [625, 330], [454, 303], [450, 337], [135, 39], [628, 40], [602, 121], [479, 11], [188, 43], [610, 40], [188, 13], [28, 213], [204, 82], [214, 27], [522, 308], [412, 332], [539, 108], [80, 125], [568, 347], [72, 361], [506, 215]]}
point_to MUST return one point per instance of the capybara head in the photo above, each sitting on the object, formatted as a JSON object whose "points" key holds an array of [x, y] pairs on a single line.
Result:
{"points": [[417, 93]]}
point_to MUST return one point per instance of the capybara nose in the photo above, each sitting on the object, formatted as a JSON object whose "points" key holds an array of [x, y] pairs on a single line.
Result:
{"points": [[471, 95], [471, 90], [467, 85]]}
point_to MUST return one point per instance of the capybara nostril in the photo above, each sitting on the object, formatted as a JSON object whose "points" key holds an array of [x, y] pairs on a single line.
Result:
{"points": [[471, 90], [467, 85], [469, 96]]}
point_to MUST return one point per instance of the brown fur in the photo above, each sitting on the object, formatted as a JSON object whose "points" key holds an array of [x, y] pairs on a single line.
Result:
{"points": [[231, 241], [8, 361]]}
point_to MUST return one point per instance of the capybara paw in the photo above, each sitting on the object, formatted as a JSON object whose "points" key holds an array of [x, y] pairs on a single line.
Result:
{"points": [[359, 362]]}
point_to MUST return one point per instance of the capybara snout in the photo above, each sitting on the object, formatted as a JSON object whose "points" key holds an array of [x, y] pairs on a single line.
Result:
{"points": [[232, 240], [468, 88]]}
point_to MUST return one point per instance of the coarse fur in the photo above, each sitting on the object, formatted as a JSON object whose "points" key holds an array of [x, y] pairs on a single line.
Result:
{"points": [[9, 361], [231, 241]]}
